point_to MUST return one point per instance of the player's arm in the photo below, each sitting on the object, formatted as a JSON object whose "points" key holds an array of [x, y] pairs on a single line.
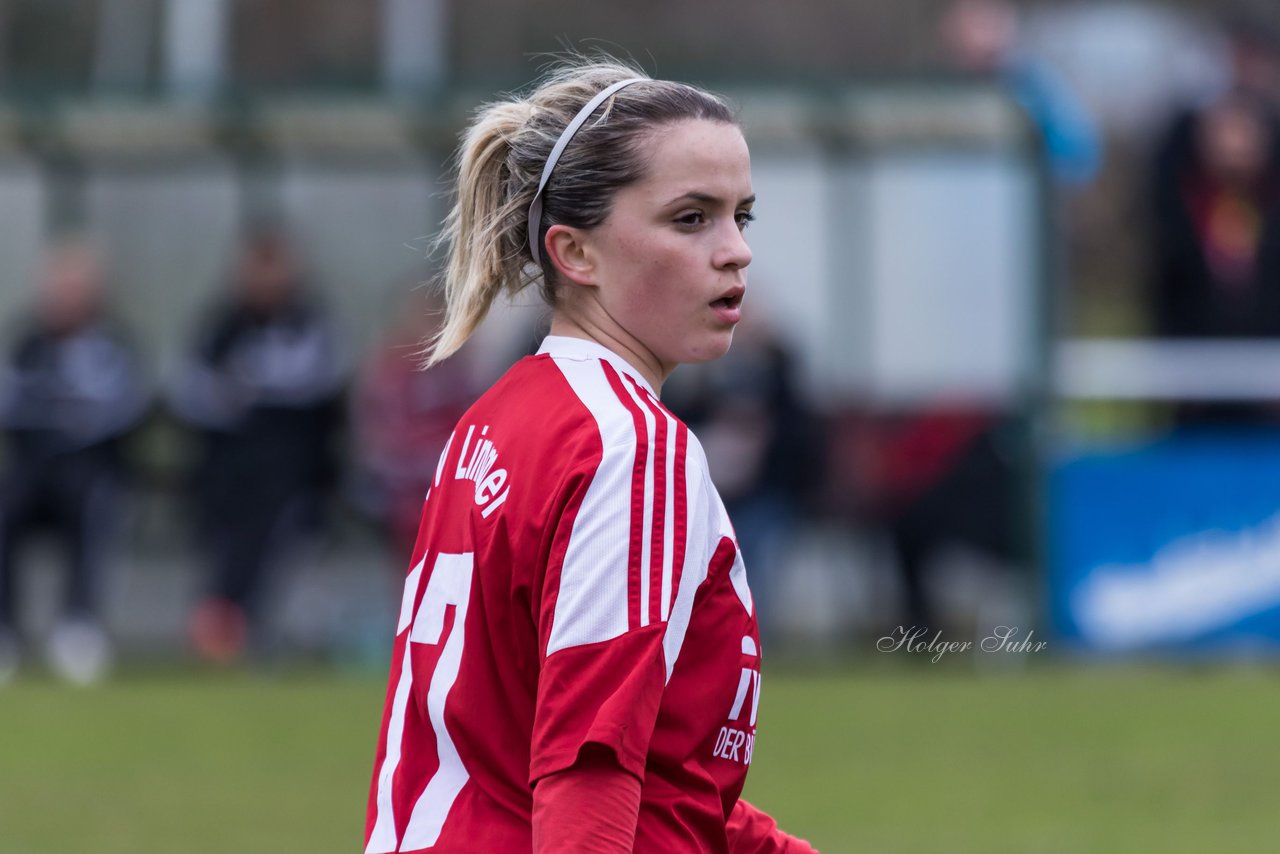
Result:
{"points": [[754, 832], [590, 807], [603, 671]]}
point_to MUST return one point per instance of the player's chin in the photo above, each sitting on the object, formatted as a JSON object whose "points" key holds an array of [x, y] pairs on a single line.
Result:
{"points": [[711, 345]]}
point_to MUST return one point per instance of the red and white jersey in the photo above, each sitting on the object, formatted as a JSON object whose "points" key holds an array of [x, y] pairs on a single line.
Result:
{"points": [[575, 581]]}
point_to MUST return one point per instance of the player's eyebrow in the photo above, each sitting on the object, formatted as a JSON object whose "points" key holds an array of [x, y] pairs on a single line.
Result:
{"points": [[708, 199]]}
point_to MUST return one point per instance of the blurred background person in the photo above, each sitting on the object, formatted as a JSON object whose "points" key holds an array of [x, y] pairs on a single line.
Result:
{"points": [[943, 470], [70, 391], [1217, 226], [980, 38], [1213, 200], [939, 478], [263, 389], [401, 417], [1212, 194]]}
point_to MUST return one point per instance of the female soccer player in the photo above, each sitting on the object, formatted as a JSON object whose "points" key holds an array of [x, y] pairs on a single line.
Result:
{"points": [[577, 665]]}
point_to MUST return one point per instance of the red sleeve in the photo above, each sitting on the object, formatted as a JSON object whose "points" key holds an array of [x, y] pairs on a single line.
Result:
{"points": [[590, 808], [753, 832]]}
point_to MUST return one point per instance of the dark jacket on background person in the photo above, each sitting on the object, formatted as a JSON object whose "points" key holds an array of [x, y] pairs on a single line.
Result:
{"points": [[1197, 288], [264, 390], [67, 398], [64, 394]]}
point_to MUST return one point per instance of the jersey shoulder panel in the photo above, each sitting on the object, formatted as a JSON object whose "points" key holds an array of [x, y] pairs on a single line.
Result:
{"points": [[616, 574]]}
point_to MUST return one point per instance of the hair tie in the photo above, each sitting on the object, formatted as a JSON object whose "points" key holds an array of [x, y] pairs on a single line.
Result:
{"points": [[535, 207]]}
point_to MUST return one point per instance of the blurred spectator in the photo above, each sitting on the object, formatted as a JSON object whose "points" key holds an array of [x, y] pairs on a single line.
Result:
{"points": [[980, 37], [1214, 196], [1127, 61], [943, 473], [402, 415], [1217, 223], [761, 443], [940, 477], [263, 387], [1214, 204], [69, 391]]}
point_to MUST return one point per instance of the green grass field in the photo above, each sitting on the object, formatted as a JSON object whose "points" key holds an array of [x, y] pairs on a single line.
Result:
{"points": [[923, 759]]}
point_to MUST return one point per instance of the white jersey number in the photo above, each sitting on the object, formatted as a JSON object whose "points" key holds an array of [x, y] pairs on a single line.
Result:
{"points": [[449, 584]]}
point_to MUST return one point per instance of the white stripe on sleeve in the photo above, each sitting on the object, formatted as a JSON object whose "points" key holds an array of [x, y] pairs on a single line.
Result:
{"points": [[591, 604]]}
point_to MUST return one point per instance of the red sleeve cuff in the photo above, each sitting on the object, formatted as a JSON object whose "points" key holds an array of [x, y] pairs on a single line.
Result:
{"points": [[590, 808]]}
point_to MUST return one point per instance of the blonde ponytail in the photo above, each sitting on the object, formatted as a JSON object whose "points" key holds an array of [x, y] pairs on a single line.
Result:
{"points": [[499, 165], [482, 256]]}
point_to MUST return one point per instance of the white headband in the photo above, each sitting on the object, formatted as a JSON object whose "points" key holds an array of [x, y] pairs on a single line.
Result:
{"points": [[535, 208]]}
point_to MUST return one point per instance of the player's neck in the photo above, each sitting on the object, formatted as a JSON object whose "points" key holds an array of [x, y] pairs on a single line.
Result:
{"points": [[616, 341]]}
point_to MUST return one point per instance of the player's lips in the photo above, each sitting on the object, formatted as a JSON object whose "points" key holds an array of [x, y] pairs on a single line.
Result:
{"points": [[729, 306]]}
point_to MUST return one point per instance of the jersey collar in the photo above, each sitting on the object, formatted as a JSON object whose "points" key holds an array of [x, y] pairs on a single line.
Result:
{"points": [[582, 349]]}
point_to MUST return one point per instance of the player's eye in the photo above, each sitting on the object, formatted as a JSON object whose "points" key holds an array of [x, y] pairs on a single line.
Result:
{"points": [[691, 219], [744, 219]]}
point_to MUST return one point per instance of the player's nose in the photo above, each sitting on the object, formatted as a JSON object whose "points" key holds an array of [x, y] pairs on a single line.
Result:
{"points": [[732, 253]]}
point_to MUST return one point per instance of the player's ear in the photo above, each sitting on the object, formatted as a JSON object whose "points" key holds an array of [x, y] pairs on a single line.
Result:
{"points": [[569, 252]]}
